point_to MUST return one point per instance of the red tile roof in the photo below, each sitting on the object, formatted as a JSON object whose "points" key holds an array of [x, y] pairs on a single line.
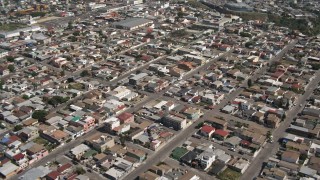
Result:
{"points": [[221, 132], [64, 167], [53, 175], [19, 156], [124, 116], [207, 129]]}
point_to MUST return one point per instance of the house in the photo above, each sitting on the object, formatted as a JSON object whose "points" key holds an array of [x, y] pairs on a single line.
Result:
{"points": [[258, 117], [123, 164], [28, 133], [174, 122], [36, 152], [136, 154], [314, 163], [228, 109], [232, 142], [8, 170], [192, 113], [272, 121], [275, 173], [220, 134], [123, 128], [55, 136], [11, 141], [249, 113], [120, 92], [78, 151], [100, 142], [21, 160], [111, 123], [218, 123], [126, 118], [114, 173], [239, 165], [206, 159], [207, 131], [188, 158], [290, 156], [86, 123], [64, 168], [211, 98], [35, 173], [53, 175]]}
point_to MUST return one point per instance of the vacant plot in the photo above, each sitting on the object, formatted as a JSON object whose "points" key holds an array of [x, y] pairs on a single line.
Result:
{"points": [[11, 27], [77, 86], [229, 174]]}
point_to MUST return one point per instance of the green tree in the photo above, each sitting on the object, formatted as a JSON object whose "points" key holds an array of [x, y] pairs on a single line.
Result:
{"points": [[11, 68], [180, 14], [25, 96], [62, 73], [84, 73], [70, 25], [249, 82], [55, 100], [269, 134], [17, 128], [1, 84], [72, 38], [80, 170], [10, 58], [40, 114], [76, 33]]}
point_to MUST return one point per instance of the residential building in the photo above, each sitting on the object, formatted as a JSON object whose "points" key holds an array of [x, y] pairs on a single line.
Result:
{"points": [[126, 118], [78, 151], [174, 122], [207, 131], [290, 156], [100, 142]]}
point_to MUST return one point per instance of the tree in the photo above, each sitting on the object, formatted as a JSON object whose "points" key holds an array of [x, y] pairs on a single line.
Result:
{"points": [[76, 33], [180, 14], [62, 73], [40, 114], [84, 73], [1, 84], [10, 58], [72, 38], [70, 25], [11, 68], [25, 96], [17, 128], [249, 82], [55, 100], [268, 134], [122, 139], [34, 74], [80, 170], [70, 80]]}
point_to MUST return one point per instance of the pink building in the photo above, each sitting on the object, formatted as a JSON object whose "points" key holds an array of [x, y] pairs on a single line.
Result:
{"points": [[87, 123]]}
